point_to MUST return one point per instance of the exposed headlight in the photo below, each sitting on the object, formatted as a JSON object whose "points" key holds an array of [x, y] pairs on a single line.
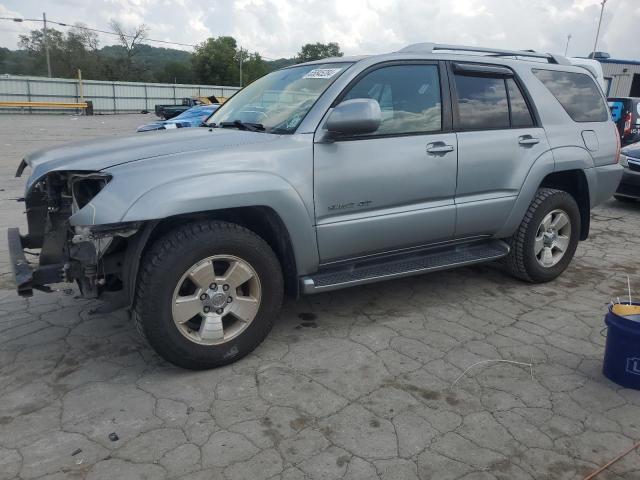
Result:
{"points": [[84, 187]]}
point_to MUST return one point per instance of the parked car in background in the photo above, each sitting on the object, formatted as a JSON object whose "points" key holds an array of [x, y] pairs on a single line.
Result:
{"points": [[629, 188], [625, 112], [194, 117], [169, 111]]}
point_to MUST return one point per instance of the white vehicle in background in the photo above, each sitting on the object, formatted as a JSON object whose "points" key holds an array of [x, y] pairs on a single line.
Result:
{"points": [[594, 67]]}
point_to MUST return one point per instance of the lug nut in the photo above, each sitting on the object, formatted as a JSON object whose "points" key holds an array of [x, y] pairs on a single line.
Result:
{"points": [[206, 309], [213, 286], [229, 299], [225, 287], [219, 311], [204, 296]]}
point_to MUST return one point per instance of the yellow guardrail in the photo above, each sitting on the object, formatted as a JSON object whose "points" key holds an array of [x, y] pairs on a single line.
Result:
{"points": [[44, 104]]}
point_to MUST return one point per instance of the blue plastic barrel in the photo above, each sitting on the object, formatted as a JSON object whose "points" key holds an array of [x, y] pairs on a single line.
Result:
{"points": [[622, 351]]}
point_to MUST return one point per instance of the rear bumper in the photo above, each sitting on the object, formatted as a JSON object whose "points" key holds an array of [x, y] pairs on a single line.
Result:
{"points": [[603, 182], [28, 278]]}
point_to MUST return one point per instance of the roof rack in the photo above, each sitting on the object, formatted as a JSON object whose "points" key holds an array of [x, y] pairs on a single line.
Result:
{"points": [[429, 47]]}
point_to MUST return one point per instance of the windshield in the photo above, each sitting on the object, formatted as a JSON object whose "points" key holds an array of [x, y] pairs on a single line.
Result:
{"points": [[280, 100]]}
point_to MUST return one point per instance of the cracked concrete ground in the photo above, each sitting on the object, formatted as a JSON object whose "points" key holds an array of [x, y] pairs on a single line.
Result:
{"points": [[354, 384]]}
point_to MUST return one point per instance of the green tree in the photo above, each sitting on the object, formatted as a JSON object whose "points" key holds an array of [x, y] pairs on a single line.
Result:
{"points": [[215, 62], [253, 67], [81, 52], [175, 72], [318, 51], [34, 44]]}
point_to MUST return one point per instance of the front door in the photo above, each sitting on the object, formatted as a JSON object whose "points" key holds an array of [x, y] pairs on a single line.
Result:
{"points": [[394, 188]]}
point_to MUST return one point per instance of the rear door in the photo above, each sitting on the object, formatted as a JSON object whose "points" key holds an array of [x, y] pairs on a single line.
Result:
{"points": [[499, 138]]}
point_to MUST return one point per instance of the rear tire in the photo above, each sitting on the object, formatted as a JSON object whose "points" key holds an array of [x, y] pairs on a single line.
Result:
{"points": [[208, 293], [540, 251]]}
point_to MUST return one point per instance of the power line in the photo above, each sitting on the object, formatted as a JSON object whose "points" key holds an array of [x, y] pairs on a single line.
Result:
{"points": [[97, 30], [106, 32]]}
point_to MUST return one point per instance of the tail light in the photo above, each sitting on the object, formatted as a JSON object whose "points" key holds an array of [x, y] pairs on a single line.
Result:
{"points": [[617, 135], [627, 124]]}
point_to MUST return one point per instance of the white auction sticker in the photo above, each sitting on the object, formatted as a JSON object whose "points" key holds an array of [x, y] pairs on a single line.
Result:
{"points": [[322, 73]]}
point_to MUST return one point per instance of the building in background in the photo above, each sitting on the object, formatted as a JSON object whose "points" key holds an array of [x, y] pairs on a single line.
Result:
{"points": [[622, 77]]}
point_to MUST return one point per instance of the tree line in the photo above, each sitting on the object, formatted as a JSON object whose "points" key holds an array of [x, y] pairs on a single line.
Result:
{"points": [[216, 61]]}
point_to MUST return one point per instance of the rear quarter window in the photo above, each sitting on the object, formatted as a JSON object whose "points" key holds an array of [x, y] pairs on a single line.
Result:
{"points": [[577, 93]]}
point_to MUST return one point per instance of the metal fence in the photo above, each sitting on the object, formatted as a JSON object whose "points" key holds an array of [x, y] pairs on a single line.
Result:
{"points": [[107, 97]]}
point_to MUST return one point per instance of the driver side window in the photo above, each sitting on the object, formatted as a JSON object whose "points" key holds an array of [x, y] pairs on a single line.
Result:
{"points": [[409, 98]]}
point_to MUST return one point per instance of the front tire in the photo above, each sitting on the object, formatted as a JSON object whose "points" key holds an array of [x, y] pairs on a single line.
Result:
{"points": [[208, 293], [547, 238]]}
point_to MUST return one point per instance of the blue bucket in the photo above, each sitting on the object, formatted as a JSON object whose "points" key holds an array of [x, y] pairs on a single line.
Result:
{"points": [[622, 351]]}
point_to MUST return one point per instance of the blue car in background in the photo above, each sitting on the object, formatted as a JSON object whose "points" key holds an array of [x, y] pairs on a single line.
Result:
{"points": [[190, 118]]}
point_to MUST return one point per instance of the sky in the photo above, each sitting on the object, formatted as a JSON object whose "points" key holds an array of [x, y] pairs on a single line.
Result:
{"points": [[277, 28]]}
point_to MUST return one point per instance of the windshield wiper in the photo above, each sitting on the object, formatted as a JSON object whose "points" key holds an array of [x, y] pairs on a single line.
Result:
{"points": [[251, 127]]}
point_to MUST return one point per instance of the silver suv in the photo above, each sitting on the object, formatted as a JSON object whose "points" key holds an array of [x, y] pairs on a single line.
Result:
{"points": [[321, 176]]}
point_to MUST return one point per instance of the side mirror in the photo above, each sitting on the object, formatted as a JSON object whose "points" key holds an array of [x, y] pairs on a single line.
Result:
{"points": [[354, 117]]}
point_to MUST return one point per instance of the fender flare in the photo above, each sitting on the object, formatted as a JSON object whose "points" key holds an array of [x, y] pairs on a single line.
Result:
{"points": [[220, 191], [551, 161]]}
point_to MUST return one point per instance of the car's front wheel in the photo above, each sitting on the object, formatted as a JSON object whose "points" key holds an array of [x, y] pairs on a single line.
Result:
{"points": [[208, 293], [547, 238]]}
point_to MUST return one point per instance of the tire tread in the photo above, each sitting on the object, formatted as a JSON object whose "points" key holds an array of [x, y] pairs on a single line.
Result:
{"points": [[152, 265]]}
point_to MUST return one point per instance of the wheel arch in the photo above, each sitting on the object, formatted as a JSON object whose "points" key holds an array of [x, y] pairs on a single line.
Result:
{"points": [[262, 220], [575, 183]]}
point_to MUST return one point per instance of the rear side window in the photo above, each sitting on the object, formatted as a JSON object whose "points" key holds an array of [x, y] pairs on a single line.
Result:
{"points": [[520, 114], [482, 102], [577, 93]]}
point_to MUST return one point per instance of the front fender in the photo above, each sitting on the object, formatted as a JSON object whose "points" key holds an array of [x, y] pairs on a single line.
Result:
{"points": [[234, 190]]}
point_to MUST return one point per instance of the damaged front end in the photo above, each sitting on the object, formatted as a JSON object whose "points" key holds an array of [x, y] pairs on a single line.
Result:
{"points": [[90, 255]]}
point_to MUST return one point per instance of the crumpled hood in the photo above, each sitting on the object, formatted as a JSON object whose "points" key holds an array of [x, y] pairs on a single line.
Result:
{"points": [[98, 154]]}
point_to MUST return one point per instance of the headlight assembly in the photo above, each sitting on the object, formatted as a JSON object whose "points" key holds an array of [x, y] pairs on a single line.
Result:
{"points": [[84, 187]]}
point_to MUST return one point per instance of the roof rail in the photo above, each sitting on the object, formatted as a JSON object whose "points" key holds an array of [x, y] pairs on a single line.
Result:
{"points": [[429, 47]]}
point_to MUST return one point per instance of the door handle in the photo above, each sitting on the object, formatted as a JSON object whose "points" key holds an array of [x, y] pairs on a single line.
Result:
{"points": [[528, 140], [439, 148]]}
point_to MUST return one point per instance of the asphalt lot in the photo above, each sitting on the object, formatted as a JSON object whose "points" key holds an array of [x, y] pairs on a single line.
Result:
{"points": [[354, 384]]}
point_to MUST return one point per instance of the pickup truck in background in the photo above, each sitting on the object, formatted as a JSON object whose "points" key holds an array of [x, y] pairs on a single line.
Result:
{"points": [[169, 111]]}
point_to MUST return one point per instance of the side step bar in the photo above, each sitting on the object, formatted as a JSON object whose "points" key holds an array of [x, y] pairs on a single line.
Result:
{"points": [[402, 265]]}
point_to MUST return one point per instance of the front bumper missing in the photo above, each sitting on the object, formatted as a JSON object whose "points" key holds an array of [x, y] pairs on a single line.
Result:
{"points": [[26, 277]]}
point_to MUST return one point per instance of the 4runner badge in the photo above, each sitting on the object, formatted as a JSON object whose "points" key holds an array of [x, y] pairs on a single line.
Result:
{"points": [[343, 206]]}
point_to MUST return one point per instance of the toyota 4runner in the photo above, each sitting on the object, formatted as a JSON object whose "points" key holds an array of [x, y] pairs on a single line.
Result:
{"points": [[321, 176]]}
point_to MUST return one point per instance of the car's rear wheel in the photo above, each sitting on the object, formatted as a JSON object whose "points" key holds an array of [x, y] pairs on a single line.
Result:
{"points": [[545, 242], [208, 294]]}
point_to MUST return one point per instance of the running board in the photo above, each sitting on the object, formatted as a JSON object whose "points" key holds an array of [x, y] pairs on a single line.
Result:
{"points": [[360, 272]]}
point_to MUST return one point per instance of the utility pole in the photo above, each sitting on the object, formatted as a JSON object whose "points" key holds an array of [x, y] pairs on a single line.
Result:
{"points": [[46, 43], [566, 49], [240, 67], [595, 43]]}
